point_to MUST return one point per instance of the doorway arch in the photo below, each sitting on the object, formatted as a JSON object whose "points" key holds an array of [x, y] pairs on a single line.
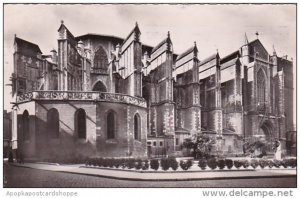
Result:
{"points": [[25, 125], [80, 123], [99, 86]]}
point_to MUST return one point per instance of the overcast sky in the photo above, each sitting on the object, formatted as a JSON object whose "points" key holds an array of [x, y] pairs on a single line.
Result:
{"points": [[213, 27]]}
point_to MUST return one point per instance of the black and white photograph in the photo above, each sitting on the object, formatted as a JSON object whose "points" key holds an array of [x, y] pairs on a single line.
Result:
{"points": [[146, 95]]}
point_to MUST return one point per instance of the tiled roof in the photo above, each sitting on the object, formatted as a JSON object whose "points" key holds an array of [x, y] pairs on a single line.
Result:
{"points": [[26, 44], [119, 39], [191, 49], [160, 44], [214, 56], [230, 56], [229, 63]]}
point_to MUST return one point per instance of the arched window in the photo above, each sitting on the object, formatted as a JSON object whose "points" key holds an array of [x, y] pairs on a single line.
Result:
{"points": [[80, 123], [25, 119], [99, 86], [100, 60], [53, 123], [111, 125], [137, 127], [261, 88]]}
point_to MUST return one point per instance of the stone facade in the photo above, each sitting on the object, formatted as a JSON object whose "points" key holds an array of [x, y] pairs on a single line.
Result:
{"points": [[101, 95]]}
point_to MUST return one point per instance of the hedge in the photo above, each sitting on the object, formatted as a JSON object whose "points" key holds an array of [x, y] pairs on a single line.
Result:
{"points": [[154, 164], [221, 164], [212, 163], [186, 164], [229, 163], [171, 162], [238, 164], [202, 164]]}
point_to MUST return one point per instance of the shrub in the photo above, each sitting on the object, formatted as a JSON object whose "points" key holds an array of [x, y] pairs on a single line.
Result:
{"points": [[164, 163], [237, 163], [202, 164], [229, 163], [173, 163], [145, 165], [263, 163], [185, 165], [270, 163], [105, 162], [131, 163], [245, 163], [154, 164], [111, 162], [289, 163], [138, 164], [123, 163], [212, 163], [254, 163], [277, 163], [221, 164], [99, 162], [293, 163], [284, 163], [91, 162]]}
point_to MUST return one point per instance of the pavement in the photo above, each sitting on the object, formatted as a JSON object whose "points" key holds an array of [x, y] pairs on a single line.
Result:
{"points": [[194, 174]]}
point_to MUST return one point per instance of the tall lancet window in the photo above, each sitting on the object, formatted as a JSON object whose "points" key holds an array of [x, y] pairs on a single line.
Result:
{"points": [[261, 88], [100, 61]]}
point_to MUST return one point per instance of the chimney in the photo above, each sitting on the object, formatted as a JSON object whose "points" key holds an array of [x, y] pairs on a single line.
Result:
{"points": [[54, 56]]}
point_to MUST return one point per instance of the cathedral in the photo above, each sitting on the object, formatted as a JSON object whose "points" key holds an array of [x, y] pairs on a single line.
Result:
{"points": [[102, 95]]}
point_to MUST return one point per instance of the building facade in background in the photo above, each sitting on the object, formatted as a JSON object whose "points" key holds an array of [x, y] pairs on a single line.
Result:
{"points": [[101, 95]]}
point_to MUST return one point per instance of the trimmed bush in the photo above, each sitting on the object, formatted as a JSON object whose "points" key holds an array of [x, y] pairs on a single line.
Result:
{"points": [[289, 163], [138, 164], [212, 163], [173, 163], [263, 163], [186, 164], [254, 163], [238, 164], [221, 164], [245, 163], [164, 163], [130, 163], [154, 164], [145, 165], [111, 162], [270, 163], [277, 163], [229, 163], [202, 164], [123, 163]]}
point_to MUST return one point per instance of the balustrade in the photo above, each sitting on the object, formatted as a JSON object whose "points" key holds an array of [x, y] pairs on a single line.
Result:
{"points": [[77, 95]]}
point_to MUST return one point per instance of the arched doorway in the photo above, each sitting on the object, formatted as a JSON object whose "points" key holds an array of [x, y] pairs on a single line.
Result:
{"points": [[265, 136], [80, 123], [111, 125], [99, 86], [25, 125], [53, 123]]}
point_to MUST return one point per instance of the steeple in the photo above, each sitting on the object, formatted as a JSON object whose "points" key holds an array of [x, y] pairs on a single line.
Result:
{"points": [[246, 39], [274, 51]]}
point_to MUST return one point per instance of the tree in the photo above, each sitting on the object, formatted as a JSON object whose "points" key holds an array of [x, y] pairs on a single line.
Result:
{"points": [[200, 144]]}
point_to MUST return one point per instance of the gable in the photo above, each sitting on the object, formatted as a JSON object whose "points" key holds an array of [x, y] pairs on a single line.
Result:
{"points": [[257, 47]]}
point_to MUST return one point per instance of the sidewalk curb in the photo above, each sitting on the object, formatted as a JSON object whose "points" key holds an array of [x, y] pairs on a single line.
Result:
{"points": [[183, 179], [163, 179]]}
